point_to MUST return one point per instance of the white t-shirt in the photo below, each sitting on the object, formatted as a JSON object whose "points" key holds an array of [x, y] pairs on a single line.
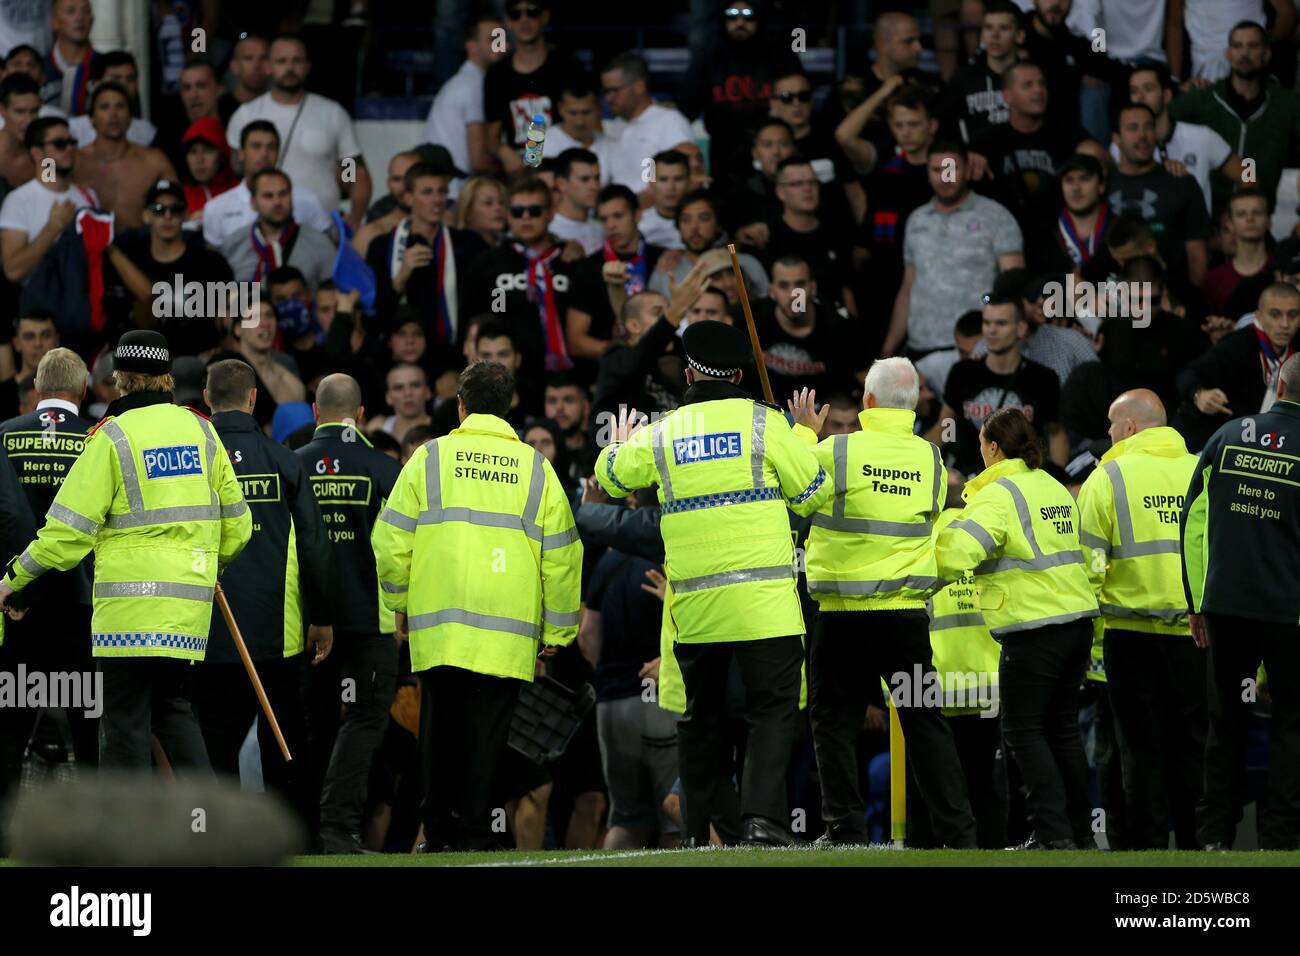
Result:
{"points": [[656, 129], [25, 21], [588, 234], [28, 207], [311, 149], [1208, 23], [233, 211], [660, 230], [141, 131], [557, 141], [458, 103], [1197, 147], [1135, 29]]}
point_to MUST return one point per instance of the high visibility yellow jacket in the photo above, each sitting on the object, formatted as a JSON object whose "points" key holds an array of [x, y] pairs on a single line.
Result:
{"points": [[1129, 511], [870, 545], [726, 468], [963, 651], [1019, 532], [154, 494], [478, 548]]}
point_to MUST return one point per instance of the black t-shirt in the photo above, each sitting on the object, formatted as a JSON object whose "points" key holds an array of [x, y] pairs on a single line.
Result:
{"points": [[589, 295], [974, 393], [972, 101], [1025, 168], [629, 624], [1173, 205], [823, 249], [895, 190], [511, 98], [186, 335], [826, 359]]}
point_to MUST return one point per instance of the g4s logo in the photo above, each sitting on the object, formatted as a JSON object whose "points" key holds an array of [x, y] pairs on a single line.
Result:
{"points": [[328, 466], [236, 456]]}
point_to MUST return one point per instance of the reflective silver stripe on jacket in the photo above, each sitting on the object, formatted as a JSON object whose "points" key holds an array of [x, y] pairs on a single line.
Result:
{"points": [[30, 564], [126, 461], [235, 510], [723, 578], [756, 444], [1172, 615], [945, 622], [893, 529], [977, 532], [840, 465], [484, 519], [432, 479], [397, 519], [865, 588], [534, 502], [1043, 622], [560, 618], [179, 513], [393, 588], [1040, 561], [661, 459], [559, 539], [436, 514], [1097, 543], [1129, 546], [188, 592], [487, 622], [72, 519], [940, 479]]}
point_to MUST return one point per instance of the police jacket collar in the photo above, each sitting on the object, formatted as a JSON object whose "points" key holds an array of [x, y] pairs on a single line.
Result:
{"points": [[1161, 441], [486, 425], [1003, 469], [712, 390], [136, 400], [898, 421], [235, 421], [334, 429]]}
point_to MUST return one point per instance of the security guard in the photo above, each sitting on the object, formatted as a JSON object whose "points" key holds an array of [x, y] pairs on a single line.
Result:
{"points": [[43, 444], [1019, 532], [478, 551], [155, 496], [1241, 564], [870, 568], [286, 565], [726, 468], [966, 663], [1129, 512], [17, 527], [351, 481]]}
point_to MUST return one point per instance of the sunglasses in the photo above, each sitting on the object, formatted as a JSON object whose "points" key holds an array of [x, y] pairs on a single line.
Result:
{"points": [[167, 209], [803, 96], [738, 13], [61, 142], [531, 11], [535, 211]]}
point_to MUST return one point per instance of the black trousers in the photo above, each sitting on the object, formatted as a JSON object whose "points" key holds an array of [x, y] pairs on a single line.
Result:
{"points": [[851, 651], [1039, 676], [146, 696], [1156, 684], [1237, 646], [349, 696], [770, 671], [1110, 774], [227, 705], [464, 727]]}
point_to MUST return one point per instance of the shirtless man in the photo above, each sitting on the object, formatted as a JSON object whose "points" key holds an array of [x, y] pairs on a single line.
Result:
{"points": [[20, 101], [120, 171]]}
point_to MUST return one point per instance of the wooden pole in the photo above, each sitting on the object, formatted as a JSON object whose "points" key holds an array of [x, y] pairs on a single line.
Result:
{"points": [[252, 671], [749, 320]]}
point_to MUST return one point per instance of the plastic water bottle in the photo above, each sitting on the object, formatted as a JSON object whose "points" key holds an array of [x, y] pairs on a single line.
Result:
{"points": [[536, 141]]}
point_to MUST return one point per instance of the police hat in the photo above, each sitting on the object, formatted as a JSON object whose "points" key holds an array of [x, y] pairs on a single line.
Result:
{"points": [[715, 348], [144, 351]]}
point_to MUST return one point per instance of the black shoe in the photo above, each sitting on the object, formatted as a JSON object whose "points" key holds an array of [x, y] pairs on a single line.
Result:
{"points": [[332, 842], [840, 835], [1033, 843], [1217, 847], [760, 831]]}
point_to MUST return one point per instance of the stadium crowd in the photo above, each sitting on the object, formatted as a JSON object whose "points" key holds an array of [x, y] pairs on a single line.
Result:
{"points": [[1042, 205]]}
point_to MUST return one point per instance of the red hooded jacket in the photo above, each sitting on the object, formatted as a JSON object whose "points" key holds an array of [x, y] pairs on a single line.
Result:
{"points": [[209, 131]]}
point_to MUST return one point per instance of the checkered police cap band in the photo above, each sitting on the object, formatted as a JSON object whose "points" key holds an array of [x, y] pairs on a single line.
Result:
{"points": [[146, 352], [716, 373]]}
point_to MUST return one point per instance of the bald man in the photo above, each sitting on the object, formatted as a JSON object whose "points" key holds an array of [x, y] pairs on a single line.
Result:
{"points": [[1155, 674]]}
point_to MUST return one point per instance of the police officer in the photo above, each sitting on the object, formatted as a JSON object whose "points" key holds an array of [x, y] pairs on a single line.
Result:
{"points": [[478, 552], [43, 444], [870, 568], [726, 468], [351, 481], [285, 566], [155, 496], [1241, 564], [1129, 511], [1019, 532]]}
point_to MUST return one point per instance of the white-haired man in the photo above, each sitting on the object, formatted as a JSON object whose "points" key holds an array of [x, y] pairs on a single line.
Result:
{"points": [[871, 565]]}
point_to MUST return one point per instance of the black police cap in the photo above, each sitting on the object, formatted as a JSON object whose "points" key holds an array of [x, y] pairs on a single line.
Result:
{"points": [[144, 351], [715, 348]]}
